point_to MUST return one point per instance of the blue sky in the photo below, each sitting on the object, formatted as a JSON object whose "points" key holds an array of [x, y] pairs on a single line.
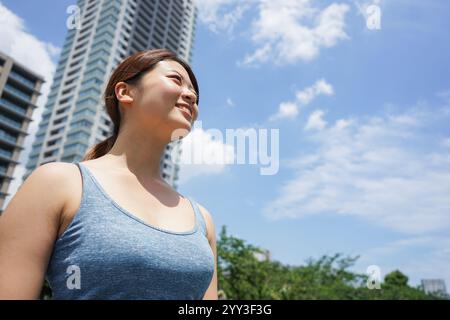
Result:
{"points": [[362, 116]]}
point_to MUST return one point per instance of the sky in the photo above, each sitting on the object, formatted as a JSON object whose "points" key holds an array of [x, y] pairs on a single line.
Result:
{"points": [[355, 99]]}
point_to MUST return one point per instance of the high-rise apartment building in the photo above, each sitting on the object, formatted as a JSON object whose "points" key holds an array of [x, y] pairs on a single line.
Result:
{"points": [[434, 286], [19, 91], [74, 117]]}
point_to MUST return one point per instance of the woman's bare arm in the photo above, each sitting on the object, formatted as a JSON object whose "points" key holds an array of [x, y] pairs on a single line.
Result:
{"points": [[28, 228], [211, 293]]}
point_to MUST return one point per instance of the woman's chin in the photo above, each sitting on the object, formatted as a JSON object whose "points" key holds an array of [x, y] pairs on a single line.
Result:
{"points": [[181, 130]]}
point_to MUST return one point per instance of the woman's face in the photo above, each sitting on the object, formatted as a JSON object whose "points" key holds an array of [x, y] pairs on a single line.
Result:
{"points": [[166, 100]]}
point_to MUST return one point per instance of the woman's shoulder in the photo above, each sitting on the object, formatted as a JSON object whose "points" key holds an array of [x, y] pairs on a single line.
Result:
{"points": [[44, 193], [55, 172], [60, 176], [66, 178]]}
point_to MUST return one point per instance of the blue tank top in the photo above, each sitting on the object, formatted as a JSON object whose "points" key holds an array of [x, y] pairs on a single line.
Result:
{"points": [[109, 253]]}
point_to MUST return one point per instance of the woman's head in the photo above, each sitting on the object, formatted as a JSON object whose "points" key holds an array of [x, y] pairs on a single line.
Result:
{"points": [[146, 92]]}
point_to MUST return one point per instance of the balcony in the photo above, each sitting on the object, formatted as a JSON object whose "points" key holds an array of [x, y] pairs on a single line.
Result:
{"points": [[17, 93], [78, 149], [26, 82], [10, 122], [3, 170], [12, 107], [7, 137], [5, 153], [83, 116]]}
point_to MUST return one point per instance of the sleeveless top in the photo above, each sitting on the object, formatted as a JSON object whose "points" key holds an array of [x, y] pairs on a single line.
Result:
{"points": [[108, 253]]}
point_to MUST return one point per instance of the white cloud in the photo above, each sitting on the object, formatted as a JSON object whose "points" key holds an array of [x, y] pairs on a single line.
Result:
{"points": [[315, 121], [388, 170], [17, 42], [261, 54], [303, 98], [287, 31], [284, 32], [36, 55], [222, 15], [230, 102], [306, 95], [203, 154], [53, 50], [285, 110]]}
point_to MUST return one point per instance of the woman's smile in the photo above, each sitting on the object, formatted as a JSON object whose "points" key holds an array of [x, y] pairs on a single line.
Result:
{"points": [[186, 111]]}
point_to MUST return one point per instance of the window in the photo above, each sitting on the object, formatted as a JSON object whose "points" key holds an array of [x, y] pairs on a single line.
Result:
{"points": [[56, 131], [82, 124], [73, 72], [81, 135], [67, 91], [53, 142], [91, 91], [49, 153], [59, 111], [65, 100], [69, 82], [59, 121], [79, 54]]}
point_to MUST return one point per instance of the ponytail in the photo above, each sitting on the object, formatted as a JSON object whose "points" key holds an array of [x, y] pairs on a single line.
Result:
{"points": [[100, 149]]}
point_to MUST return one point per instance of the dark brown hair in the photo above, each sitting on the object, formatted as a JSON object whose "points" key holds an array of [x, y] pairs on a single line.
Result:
{"points": [[131, 71]]}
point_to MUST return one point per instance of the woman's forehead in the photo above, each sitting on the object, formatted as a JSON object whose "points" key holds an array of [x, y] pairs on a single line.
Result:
{"points": [[169, 65]]}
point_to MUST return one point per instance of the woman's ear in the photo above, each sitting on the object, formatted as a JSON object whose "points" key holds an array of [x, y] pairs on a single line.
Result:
{"points": [[123, 93]]}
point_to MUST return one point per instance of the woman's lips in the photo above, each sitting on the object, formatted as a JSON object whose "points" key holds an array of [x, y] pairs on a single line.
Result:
{"points": [[186, 113]]}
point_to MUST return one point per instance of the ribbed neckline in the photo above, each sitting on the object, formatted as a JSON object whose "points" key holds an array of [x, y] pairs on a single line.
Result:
{"points": [[134, 217]]}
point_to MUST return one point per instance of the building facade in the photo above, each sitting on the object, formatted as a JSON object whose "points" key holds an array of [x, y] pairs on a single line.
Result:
{"points": [[104, 33], [434, 286], [19, 91]]}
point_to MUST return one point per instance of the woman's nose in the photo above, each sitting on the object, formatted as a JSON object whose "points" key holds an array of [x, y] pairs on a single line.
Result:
{"points": [[188, 94]]}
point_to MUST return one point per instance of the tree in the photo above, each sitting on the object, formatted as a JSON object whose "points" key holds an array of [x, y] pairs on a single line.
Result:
{"points": [[396, 279], [242, 276]]}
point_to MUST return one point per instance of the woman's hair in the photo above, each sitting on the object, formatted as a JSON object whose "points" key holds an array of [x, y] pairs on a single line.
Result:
{"points": [[131, 71]]}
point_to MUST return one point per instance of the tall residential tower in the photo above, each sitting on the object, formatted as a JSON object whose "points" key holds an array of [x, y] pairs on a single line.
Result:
{"points": [[74, 117], [19, 91]]}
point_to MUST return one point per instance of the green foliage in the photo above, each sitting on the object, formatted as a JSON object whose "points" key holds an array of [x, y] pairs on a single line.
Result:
{"points": [[396, 279], [46, 292], [242, 276]]}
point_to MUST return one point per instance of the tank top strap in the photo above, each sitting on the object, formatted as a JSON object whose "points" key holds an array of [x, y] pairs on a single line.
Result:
{"points": [[199, 216], [84, 172], [88, 182]]}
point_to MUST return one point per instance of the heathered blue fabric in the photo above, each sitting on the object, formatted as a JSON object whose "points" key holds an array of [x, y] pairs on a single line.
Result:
{"points": [[119, 256]]}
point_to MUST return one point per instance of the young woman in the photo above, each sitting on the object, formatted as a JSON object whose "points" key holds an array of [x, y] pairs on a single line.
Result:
{"points": [[110, 227]]}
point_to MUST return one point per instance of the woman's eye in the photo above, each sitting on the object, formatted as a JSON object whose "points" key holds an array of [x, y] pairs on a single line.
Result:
{"points": [[177, 77]]}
